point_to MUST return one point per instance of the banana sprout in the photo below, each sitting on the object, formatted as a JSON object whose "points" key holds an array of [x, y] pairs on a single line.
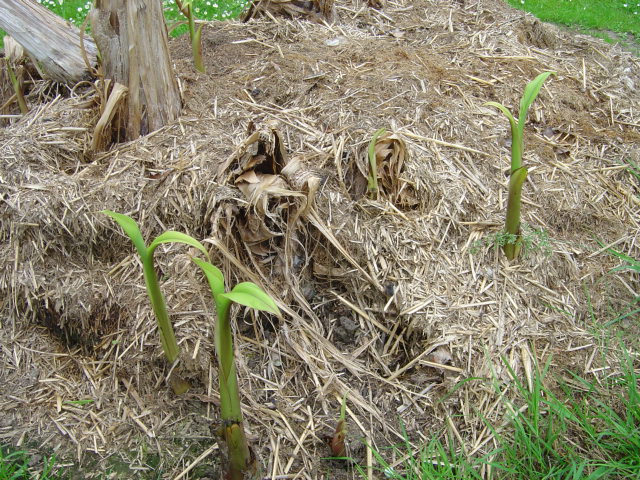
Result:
{"points": [[518, 172], [252, 296], [167, 335], [186, 8]]}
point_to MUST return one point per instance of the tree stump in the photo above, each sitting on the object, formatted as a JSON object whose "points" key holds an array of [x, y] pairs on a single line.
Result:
{"points": [[134, 48], [52, 42]]}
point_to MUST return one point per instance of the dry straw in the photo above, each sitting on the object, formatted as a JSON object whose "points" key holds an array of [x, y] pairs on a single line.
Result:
{"points": [[380, 298]]}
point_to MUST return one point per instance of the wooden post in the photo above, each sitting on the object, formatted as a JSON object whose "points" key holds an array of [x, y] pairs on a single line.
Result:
{"points": [[134, 47], [52, 42]]}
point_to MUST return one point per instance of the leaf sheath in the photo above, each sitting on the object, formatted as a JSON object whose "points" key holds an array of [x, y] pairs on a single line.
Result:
{"points": [[512, 224]]}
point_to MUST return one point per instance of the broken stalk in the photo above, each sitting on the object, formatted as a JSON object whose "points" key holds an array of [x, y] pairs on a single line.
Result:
{"points": [[372, 179]]}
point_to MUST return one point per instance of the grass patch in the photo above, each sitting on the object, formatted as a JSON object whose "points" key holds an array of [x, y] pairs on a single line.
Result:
{"points": [[608, 19], [75, 11], [582, 428], [628, 264], [533, 241], [19, 465]]}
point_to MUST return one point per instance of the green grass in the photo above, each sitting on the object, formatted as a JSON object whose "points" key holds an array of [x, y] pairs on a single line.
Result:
{"points": [[633, 169], [434, 461], [19, 465], [604, 18], [76, 10], [628, 264], [588, 430], [585, 429]]}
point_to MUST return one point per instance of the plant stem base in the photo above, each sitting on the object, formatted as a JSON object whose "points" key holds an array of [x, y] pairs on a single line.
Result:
{"points": [[178, 384]]}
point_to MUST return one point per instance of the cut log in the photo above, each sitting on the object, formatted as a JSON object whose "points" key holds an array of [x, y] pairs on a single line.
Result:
{"points": [[134, 47], [53, 43]]}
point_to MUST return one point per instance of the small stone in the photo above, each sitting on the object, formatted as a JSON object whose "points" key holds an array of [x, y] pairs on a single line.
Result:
{"points": [[348, 324]]}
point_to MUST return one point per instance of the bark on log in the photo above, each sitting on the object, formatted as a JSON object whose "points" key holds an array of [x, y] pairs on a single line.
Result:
{"points": [[134, 49], [52, 42]]}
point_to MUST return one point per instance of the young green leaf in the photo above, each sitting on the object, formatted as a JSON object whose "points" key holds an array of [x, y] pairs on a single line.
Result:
{"points": [[17, 88], [512, 224], [130, 227], [507, 113], [252, 296], [517, 130], [186, 7], [213, 274], [343, 406], [167, 335], [530, 93], [177, 237], [518, 173], [517, 127]]}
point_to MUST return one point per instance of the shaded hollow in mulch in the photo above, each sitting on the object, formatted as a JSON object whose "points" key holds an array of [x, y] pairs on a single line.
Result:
{"points": [[395, 300]]}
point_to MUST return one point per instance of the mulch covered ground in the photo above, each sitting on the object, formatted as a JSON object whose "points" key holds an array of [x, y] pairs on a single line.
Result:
{"points": [[397, 301]]}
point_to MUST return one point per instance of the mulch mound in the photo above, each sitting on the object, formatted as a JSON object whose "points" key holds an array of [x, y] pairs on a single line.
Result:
{"points": [[395, 301]]}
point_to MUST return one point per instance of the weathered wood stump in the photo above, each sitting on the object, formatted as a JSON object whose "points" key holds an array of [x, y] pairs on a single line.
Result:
{"points": [[53, 43], [134, 49]]}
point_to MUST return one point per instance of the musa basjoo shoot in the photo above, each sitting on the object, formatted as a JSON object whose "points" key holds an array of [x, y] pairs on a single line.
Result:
{"points": [[249, 295], [337, 443], [186, 8], [167, 336], [518, 172], [246, 293]]}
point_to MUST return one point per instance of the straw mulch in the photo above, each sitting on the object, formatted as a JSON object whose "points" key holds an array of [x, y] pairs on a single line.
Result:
{"points": [[395, 301]]}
